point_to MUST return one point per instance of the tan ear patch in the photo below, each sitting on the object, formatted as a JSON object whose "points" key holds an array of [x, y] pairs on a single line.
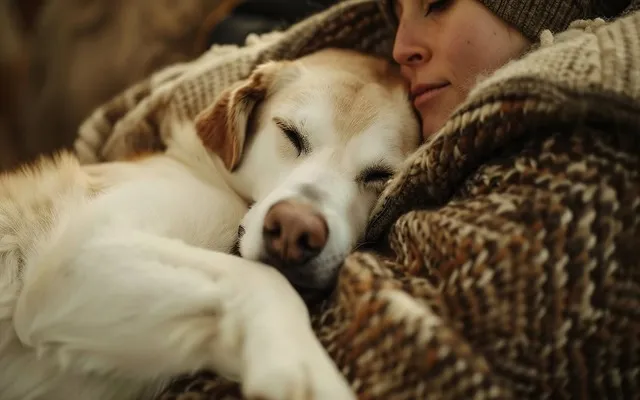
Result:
{"points": [[222, 126], [212, 125]]}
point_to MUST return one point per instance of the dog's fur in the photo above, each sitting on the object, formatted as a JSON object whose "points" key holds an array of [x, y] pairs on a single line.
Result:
{"points": [[116, 277]]}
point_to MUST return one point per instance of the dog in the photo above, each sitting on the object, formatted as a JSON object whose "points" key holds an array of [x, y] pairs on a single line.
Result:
{"points": [[116, 277]]}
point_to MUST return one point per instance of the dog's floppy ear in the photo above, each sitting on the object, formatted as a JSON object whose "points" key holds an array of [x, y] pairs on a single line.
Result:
{"points": [[222, 127]]}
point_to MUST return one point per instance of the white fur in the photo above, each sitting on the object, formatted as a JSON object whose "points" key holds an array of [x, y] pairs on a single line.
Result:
{"points": [[115, 277], [331, 170]]}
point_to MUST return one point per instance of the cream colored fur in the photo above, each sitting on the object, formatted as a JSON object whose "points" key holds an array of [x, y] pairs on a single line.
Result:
{"points": [[116, 277]]}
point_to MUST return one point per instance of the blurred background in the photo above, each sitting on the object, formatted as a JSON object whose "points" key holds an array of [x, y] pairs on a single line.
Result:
{"points": [[59, 59]]}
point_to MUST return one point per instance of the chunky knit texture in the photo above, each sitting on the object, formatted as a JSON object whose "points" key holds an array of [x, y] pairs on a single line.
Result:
{"points": [[531, 17], [515, 233]]}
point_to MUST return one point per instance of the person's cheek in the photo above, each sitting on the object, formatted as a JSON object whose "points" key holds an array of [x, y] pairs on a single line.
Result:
{"points": [[470, 54], [434, 118]]}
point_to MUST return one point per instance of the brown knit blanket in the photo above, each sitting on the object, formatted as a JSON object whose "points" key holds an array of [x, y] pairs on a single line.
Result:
{"points": [[515, 231]]}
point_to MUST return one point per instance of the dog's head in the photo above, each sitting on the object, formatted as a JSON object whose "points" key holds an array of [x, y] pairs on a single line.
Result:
{"points": [[311, 143]]}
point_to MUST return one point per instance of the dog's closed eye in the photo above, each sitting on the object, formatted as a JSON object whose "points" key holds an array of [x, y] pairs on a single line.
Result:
{"points": [[235, 249], [293, 134], [241, 232], [375, 176]]}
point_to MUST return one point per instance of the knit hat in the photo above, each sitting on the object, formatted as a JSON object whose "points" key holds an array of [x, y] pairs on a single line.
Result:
{"points": [[531, 17]]}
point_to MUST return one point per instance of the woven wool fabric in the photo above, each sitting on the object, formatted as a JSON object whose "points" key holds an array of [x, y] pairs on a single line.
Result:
{"points": [[515, 230], [531, 17]]}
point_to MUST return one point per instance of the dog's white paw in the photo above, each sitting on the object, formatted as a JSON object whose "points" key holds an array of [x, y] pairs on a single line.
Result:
{"points": [[303, 374]]}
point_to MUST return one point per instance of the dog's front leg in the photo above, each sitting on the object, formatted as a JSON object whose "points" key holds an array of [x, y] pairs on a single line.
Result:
{"points": [[147, 307]]}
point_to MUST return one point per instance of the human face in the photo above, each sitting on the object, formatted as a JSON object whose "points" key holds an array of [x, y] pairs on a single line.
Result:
{"points": [[444, 46]]}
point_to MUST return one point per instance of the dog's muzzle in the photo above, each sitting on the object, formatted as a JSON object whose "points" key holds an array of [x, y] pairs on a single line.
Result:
{"points": [[293, 234]]}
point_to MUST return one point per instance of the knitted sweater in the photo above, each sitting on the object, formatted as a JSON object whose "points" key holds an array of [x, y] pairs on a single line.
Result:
{"points": [[515, 270]]}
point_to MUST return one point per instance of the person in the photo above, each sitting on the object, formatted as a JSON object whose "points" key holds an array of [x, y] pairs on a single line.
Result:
{"points": [[449, 44], [514, 229], [444, 46]]}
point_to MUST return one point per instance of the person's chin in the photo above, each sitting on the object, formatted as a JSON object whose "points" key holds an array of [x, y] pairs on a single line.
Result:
{"points": [[434, 118], [431, 124]]}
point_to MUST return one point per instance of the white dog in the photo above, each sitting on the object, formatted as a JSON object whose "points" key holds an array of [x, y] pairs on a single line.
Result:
{"points": [[116, 277]]}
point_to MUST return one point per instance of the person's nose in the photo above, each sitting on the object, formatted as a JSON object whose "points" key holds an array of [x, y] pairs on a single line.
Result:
{"points": [[408, 50]]}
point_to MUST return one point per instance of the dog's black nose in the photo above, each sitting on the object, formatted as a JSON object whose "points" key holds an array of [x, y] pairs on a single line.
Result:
{"points": [[294, 232]]}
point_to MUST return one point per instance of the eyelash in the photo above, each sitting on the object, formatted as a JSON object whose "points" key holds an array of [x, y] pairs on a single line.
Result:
{"points": [[377, 176], [293, 135], [435, 6]]}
